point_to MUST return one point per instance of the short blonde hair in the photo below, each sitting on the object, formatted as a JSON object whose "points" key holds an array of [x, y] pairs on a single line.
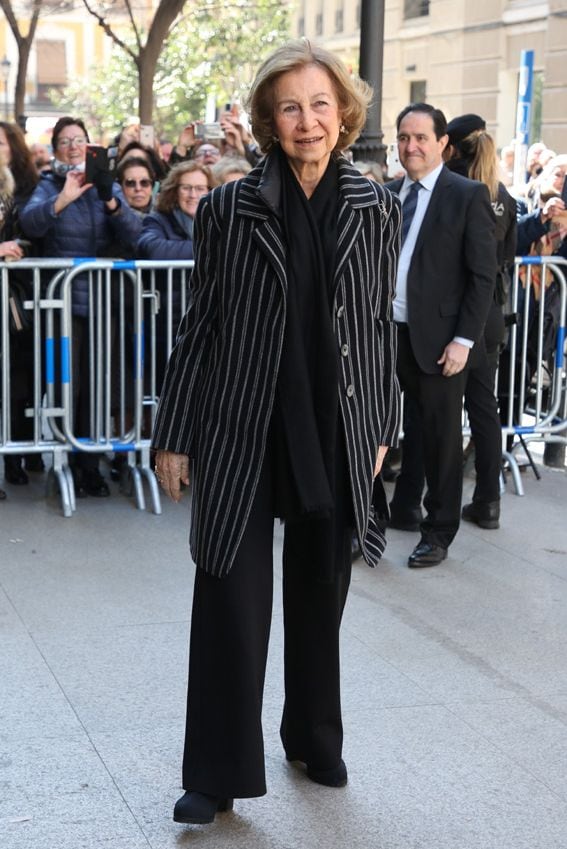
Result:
{"points": [[353, 94]]}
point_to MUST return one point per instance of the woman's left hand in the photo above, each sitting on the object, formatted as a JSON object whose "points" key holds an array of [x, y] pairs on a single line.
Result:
{"points": [[382, 451], [10, 250], [171, 471]]}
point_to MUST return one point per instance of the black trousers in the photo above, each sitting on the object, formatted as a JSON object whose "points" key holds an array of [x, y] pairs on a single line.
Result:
{"points": [[230, 626], [436, 434], [482, 407]]}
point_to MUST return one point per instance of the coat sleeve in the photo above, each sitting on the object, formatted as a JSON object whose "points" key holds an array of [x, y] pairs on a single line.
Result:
{"points": [[391, 233], [38, 215], [177, 413]]}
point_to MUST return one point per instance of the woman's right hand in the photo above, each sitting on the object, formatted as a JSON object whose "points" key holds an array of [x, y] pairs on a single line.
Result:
{"points": [[73, 188], [171, 471], [10, 251]]}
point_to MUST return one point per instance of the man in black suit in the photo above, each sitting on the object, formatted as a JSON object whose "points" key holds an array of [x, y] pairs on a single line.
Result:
{"points": [[443, 292]]}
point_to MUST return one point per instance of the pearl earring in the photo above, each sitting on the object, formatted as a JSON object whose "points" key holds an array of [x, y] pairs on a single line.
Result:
{"points": [[342, 129]]}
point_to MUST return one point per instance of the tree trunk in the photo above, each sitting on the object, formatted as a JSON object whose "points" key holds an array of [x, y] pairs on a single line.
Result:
{"points": [[148, 56], [20, 93]]}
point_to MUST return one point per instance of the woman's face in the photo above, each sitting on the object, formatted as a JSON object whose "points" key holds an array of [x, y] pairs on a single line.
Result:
{"points": [[5, 149], [190, 189], [71, 146], [306, 116], [137, 187]]}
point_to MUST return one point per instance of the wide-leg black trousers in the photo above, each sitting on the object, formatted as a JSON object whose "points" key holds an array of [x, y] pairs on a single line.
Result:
{"points": [[224, 749]]}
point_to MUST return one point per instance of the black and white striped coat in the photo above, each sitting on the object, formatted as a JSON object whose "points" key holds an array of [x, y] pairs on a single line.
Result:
{"points": [[220, 384]]}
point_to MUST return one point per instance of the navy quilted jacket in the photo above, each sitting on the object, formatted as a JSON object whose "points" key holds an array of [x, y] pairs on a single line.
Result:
{"points": [[82, 229]]}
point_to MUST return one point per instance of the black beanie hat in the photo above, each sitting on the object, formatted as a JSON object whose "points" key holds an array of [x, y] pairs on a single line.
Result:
{"points": [[459, 128]]}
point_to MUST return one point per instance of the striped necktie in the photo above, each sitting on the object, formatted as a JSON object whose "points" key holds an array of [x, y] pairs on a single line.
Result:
{"points": [[408, 208]]}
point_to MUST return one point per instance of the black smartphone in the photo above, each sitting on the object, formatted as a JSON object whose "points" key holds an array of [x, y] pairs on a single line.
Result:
{"points": [[96, 162]]}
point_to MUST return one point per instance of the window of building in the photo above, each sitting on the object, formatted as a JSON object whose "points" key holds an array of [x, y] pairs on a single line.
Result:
{"points": [[339, 17], [319, 23], [301, 27], [418, 91], [416, 8], [51, 63]]}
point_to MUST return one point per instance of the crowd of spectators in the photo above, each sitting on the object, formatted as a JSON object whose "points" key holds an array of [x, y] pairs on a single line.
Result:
{"points": [[145, 210]]}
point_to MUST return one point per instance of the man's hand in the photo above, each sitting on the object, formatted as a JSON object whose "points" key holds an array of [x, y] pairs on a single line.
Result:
{"points": [[453, 359], [382, 451], [171, 471]]}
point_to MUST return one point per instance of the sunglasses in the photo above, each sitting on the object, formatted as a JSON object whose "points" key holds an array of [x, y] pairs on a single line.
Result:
{"points": [[145, 183]]}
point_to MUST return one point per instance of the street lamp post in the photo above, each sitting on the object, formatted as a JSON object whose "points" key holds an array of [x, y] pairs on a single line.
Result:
{"points": [[370, 145], [6, 65]]}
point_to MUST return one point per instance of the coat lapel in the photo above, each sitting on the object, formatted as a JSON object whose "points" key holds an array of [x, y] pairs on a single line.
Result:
{"points": [[438, 197], [355, 193]]}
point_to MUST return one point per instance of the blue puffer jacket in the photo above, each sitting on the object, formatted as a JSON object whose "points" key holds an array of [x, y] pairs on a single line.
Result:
{"points": [[163, 238], [82, 229]]}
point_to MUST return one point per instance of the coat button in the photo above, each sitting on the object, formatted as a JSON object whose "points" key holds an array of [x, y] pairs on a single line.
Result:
{"points": [[340, 312], [350, 390], [344, 350]]}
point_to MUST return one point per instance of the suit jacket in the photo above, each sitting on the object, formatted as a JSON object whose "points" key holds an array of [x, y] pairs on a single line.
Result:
{"points": [[220, 385], [451, 277]]}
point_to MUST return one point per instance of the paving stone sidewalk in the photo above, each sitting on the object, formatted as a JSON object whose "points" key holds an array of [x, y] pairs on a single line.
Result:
{"points": [[454, 688]]}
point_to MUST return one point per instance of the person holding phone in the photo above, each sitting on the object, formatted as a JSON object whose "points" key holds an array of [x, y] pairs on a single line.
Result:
{"points": [[74, 218]]}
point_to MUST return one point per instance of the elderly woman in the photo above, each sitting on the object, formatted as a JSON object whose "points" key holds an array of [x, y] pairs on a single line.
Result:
{"points": [[282, 397]]}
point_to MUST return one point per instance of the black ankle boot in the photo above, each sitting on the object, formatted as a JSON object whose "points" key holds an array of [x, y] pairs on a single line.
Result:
{"points": [[199, 808], [335, 777]]}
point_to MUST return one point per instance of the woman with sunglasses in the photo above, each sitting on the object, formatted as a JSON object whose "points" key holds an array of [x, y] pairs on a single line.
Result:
{"points": [[136, 179]]}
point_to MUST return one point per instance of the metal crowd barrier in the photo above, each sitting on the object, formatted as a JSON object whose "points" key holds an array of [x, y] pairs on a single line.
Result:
{"points": [[532, 375], [134, 308]]}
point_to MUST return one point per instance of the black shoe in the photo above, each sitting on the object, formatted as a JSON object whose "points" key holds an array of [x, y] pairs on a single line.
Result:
{"points": [[95, 484], [409, 520], [199, 808], [426, 554], [334, 777], [117, 467], [2, 495], [485, 514], [13, 472]]}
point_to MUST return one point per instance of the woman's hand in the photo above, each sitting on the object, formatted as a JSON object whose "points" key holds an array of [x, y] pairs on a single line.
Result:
{"points": [[73, 188], [382, 451], [171, 471], [10, 251]]}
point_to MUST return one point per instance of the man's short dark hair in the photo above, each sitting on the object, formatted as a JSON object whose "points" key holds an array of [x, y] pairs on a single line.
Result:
{"points": [[438, 118]]}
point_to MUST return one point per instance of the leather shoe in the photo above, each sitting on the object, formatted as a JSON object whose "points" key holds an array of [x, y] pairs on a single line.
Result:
{"points": [[408, 520], [426, 554], [485, 514], [2, 495], [335, 777], [199, 808]]}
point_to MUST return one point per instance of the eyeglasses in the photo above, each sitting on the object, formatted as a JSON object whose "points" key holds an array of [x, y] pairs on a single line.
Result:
{"points": [[79, 141], [145, 183], [193, 190]]}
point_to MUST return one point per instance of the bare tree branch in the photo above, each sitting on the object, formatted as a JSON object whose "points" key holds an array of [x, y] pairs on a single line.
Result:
{"points": [[134, 25], [110, 32]]}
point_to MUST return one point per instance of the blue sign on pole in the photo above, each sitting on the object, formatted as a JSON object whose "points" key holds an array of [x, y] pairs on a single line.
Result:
{"points": [[523, 114], [525, 87]]}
